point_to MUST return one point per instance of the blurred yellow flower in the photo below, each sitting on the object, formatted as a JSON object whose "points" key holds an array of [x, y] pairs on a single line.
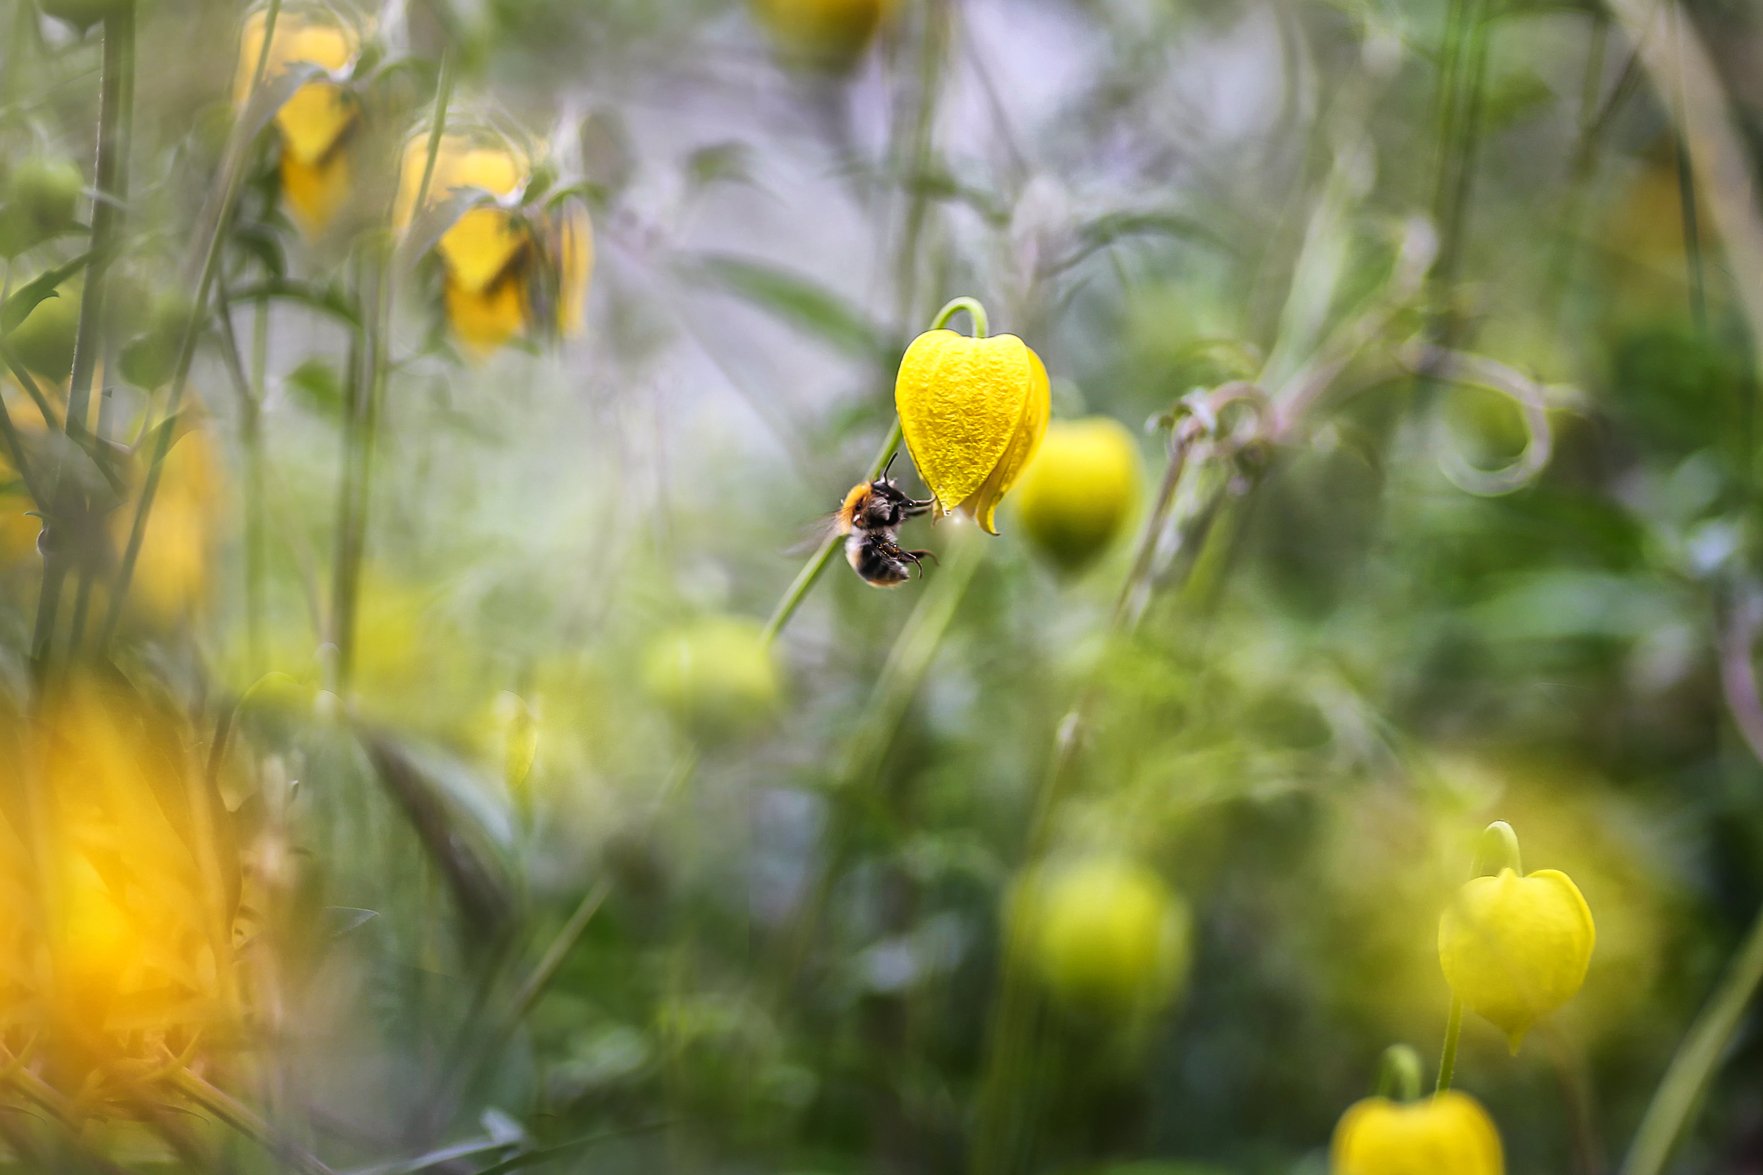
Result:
{"points": [[830, 33], [1449, 1134], [501, 261], [313, 121], [1080, 490], [1516, 948], [1104, 933], [172, 570], [973, 411]]}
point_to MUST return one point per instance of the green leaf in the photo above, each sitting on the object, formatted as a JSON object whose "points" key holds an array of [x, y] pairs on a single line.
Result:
{"points": [[798, 300], [319, 384], [39, 289]]}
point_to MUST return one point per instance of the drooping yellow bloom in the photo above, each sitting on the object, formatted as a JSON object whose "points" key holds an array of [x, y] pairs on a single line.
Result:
{"points": [[497, 254], [831, 33], [1104, 933], [316, 117], [1516, 948], [1080, 490], [1449, 1134], [973, 411]]}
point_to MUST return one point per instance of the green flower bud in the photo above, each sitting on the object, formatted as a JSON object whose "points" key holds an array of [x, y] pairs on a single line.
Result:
{"points": [[1103, 933], [150, 358], [44, 341], [716, 676], [41, 197]]}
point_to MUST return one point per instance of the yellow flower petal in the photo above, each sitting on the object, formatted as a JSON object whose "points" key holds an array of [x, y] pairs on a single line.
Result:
{"points": [[316, 191], [315, 117], [485, 320], [479, 247], [1445, 1135], [574, 257], [826, 32], [1516, 948], [973, 412]]}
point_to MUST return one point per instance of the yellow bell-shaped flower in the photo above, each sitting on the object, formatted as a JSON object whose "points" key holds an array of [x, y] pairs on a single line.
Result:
{"points": [[479, 246], [313, 121], [1104, 933], [829, 33], [1449, 1134], [496, 255], [1080, 490], [973, 412], [1516, 948]]}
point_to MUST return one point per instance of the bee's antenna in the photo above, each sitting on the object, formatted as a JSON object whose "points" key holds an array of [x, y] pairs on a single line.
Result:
{"points": [[889, 465]]}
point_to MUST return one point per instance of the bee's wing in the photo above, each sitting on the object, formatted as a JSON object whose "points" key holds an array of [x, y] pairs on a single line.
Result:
{"points": [[814, 534]]}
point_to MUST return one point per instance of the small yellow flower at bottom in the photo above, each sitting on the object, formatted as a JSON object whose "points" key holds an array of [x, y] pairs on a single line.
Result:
{"points": [[973, 412], [1449, 1134], [1516, 948]]}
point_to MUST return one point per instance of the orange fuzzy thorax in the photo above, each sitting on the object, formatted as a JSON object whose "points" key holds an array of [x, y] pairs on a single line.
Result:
{"points": [[852, 504]]}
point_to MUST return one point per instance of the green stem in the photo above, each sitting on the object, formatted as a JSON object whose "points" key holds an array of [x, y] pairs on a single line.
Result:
{"points": [[1680, 1093], [1498, 850], [817, 562], [232, 177], [975, 312], [1686, 191], [369, 382], [1398, 1073], [1448, 1057], [115, 101]]}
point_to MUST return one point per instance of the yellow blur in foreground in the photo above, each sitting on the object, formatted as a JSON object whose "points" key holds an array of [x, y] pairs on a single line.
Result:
{"points": [[121, 895], [317, 117], [1449, 1134], [1516, 948], [973, 412], [507, 267], [1080, 491], [1103, 933]]}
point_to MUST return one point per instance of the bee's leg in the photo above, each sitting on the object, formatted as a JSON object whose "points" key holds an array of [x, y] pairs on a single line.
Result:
{"points": [[916, 506], [915, 556]]}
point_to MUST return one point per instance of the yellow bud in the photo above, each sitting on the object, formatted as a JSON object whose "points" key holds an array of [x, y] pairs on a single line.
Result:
{"points": [[1449, 1134], [1103, 933], [718, 676], [1516, 948], [1080, 490], [973, 412], [572, 246], [829, 33]]}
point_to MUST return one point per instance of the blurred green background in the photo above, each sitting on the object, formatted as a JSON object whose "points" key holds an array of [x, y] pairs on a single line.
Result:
{"points": [[552, 862]]}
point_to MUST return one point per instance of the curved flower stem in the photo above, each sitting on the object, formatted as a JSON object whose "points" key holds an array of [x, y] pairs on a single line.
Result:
{"points": [[975, 312], [1448, 1057], [1398, 1073], [817, 562]]}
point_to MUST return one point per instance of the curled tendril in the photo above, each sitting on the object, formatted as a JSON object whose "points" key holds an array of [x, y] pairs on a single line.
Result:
{"points": [[1532, 399]]}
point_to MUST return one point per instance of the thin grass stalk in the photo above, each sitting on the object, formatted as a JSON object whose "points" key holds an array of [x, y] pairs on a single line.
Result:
{"points": [[368, 391], [214, 238], [1686, 192], [115, 98]]}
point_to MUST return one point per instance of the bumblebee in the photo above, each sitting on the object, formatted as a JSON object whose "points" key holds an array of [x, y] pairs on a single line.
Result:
{"points": [[870, 520]]}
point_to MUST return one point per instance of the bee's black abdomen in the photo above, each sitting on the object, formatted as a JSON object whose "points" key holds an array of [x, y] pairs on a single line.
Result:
{"points": [[876, 560]]}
